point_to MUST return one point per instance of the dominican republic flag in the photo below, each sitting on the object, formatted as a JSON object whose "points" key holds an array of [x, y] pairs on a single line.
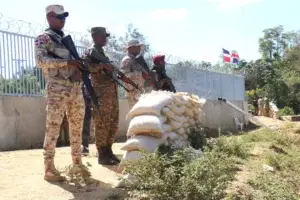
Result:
{"points": [[226, 56], [232, 57], [235, 58]]}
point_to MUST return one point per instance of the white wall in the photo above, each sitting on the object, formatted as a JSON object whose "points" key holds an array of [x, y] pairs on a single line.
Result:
{"points": [[22, 120]]}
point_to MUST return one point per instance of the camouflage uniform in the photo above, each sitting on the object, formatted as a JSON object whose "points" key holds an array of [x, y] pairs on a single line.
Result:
{"points": [[165, 83], [106, 124], [64, 95], [135, 72]]}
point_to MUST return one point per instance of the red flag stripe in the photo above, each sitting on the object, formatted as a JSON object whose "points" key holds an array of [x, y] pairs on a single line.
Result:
{"points": [[226, 59], [235, 55]]}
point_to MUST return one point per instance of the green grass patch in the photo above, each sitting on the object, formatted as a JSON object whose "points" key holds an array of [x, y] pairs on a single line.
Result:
{"points": [[272, 186], [186, 175]]}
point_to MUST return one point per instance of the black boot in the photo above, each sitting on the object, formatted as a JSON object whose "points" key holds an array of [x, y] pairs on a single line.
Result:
{"points": [[112, 155], [104, 157], [85, 151]]}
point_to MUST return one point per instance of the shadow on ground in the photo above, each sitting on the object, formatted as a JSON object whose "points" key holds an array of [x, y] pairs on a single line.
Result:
{"points": [[97, 190]]}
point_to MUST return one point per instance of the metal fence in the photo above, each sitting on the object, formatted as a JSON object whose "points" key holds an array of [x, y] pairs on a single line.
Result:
{"points": [[20, 76]]}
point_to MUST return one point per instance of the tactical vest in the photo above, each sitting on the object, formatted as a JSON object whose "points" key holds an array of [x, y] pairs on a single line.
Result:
{"points": [[100, 78], [58, 49]]}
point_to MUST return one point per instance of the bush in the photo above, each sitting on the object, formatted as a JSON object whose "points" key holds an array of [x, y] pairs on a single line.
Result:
{"points": [[286, 111], [231, 146], [158, 175], [197, 137], [207, 177], [185, 174]]}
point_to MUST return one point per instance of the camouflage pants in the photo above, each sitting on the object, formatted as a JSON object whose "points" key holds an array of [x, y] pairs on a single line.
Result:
{"points": [[106, 124], [132, 98], [61, 100]]}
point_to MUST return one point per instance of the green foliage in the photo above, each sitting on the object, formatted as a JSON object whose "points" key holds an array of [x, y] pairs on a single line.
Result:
{"points": [[231, 146], [207, 177], [277, 73], [27, 84], [186, 174], [197, 138], [286, 111], [270, 186]]}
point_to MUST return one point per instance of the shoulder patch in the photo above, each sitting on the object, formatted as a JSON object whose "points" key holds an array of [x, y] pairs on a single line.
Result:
{"points": [[41, 40], [88, 52]]}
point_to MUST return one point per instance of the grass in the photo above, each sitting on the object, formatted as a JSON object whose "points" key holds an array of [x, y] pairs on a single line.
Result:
{"points": [[231, 168], [281, 151]]}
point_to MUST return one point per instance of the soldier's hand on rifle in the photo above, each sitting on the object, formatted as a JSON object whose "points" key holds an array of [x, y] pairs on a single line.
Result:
{"points": [[74, 63], [106, 66]]}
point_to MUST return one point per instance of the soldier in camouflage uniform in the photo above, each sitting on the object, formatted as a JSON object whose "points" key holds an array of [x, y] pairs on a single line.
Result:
{"points": [[63, 90], [106, 124], [164, 82], [135, 72]]}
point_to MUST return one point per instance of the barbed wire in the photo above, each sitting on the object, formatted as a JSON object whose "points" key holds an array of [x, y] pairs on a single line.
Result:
{"points": [[32, 29]]}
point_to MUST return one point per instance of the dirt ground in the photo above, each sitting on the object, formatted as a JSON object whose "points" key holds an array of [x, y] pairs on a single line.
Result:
{"points": [[22, 174], [272, 123], [22, 177]]}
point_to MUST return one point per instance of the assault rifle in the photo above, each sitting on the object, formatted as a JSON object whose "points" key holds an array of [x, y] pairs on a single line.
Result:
{"points": [[113, 72], [140, 60], [163, 75], [69, 44]]}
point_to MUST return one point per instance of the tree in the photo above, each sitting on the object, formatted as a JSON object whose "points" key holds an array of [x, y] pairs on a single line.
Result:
{"points": [[273, 43], [133, 33], [276, 75]]}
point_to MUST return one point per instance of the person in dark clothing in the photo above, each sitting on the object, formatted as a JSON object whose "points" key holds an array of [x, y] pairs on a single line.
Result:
{"points": [[86, 122], [159, 68]]}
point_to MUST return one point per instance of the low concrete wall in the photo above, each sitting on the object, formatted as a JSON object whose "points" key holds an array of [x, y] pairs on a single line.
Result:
{"points": [[22, 120], [220, 115]]}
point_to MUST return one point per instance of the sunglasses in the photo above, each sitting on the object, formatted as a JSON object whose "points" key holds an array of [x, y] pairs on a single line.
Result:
{"points": [[60, 17]]}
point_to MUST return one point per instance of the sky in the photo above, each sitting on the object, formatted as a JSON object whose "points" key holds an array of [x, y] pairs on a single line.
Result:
{"points": [[192, 29]]}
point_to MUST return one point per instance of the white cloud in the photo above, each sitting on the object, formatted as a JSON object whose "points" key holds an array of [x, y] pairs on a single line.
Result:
{"points": [[166, 14], [226, 4]]}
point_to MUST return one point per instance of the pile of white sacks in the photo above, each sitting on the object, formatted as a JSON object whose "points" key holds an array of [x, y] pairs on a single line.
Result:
{"points": [[161, 117]]}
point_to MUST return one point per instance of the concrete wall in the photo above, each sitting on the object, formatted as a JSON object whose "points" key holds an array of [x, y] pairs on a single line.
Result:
{"points": [[22, 120], [220, 115]]}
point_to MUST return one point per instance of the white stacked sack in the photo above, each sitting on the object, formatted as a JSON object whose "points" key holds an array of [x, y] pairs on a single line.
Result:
{"points": [[161, 117]]}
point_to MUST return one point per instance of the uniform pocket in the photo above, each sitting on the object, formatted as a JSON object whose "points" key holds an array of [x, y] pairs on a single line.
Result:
{"points": [[53, 72], [61, 52]]}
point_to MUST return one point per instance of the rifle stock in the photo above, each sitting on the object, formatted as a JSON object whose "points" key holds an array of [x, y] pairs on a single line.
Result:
{"points": [[69, 44]]}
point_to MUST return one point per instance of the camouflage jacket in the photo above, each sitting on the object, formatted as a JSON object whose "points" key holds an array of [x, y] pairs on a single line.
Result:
{"points": [[165, 82], [98, 76], [135, 71], [52, 56]]}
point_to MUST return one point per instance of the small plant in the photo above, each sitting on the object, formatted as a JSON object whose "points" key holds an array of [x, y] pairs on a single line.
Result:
{"points": [[286, 111], [232, 146], [197, 137]]}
